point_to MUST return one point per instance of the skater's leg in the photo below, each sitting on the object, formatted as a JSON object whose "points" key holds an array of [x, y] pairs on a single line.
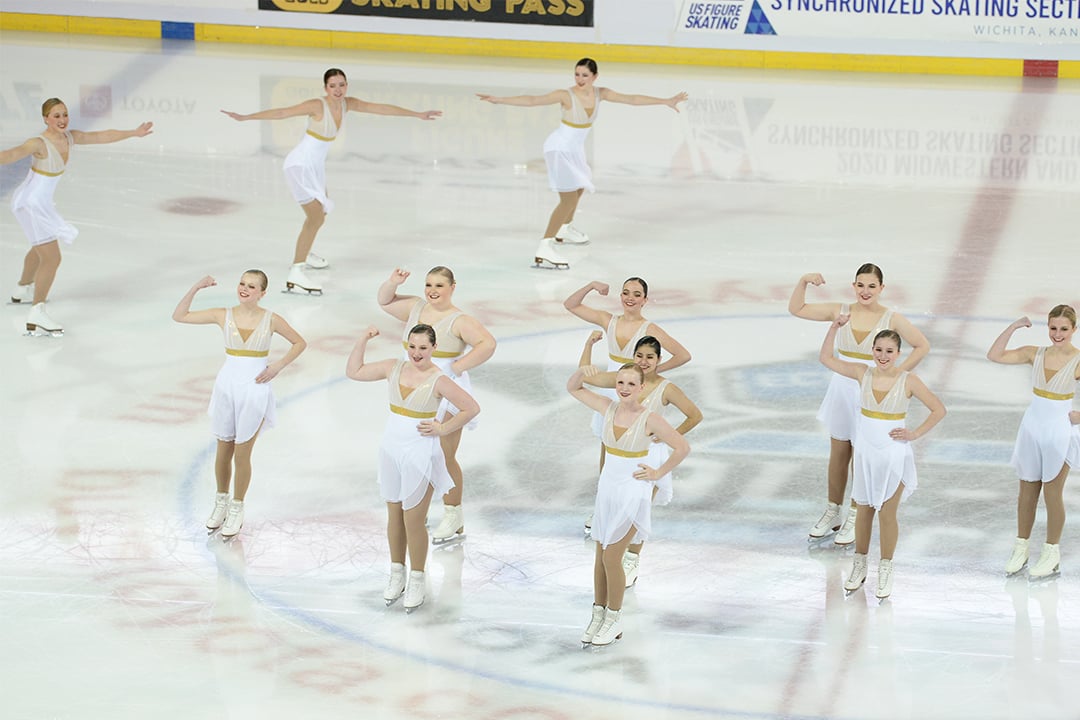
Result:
{"points": [[1053, 493], [395, 532], [864, 527], [48, 260], [636, 547], [416, 534], [563, 212], [223, 465], [450, 445], [613, 570], [888, 526], [600, 584], [30, 266], [314, 217], [839, 464], [1027, 502]]}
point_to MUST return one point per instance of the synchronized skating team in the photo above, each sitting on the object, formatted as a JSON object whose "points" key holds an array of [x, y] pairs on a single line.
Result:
{"points": [[430, 403]]}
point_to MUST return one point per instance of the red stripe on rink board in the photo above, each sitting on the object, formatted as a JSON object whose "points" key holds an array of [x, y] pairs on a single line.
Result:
{"points": [[1041, 68]]}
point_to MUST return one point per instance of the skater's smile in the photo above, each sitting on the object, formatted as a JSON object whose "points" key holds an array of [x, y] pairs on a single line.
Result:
{"points": [[633, 295], [1061, 330], [867, 288], [437, 288]]}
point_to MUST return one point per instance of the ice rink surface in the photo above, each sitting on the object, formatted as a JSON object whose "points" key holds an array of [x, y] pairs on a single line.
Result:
{"points": [[114, 602]]}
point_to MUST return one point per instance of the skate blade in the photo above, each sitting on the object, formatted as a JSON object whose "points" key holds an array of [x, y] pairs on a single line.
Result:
{"points": [[38, 331], [411, 610], [1015, 573], [560, 241], [1044, 578], [297, 290], [453, 539], [827, 537], [539, 263], [391, 602], [848, 593]]}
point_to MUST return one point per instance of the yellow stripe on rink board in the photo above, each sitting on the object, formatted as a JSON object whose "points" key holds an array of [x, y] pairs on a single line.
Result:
{"points": [[344, 40], [1069, 69]]}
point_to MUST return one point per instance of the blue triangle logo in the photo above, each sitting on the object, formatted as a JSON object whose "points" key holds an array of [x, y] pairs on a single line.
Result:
{"points": [[757, 23]]}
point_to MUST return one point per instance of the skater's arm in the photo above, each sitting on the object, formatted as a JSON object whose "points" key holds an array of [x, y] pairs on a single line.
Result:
{"points": [[591, 374], [1018, 356], [184, 314], [910, 334], [101, 137], [34, 146], [393, 304], [798, 306], [311, 108], [937, 411], [357, 369], [478, 338], [282, 328], [586, 352], [672, 102], [659, 427], [560, 97], [847, 369], [673, 395], [575, 304], [466, 404], [358, 105], [679, 355], [574, 386]]}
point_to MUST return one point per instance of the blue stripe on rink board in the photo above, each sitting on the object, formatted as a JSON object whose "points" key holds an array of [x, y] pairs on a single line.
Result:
{"points": [[177, 30]]}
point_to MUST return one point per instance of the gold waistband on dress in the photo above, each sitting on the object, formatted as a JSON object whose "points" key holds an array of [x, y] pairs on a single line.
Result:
{"points": [[856, 355], [246, 353], [579, 126], [47, 174], [1052, 396], [317, 136], [625, 453], [398, 410], [883, 416], [616, 358]]}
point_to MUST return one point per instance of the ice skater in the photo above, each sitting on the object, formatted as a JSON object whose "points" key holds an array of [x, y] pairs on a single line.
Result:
{"points": [[625, 490], [1048, 442], [411, 464], [657, 393], [242, 403], [464, 344], [840, 408], [305, 166], [564, 150], [32, 203], [884, 462]]}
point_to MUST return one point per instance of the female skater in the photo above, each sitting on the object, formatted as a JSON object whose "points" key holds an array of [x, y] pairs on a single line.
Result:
{"points": [[564, 150], [32, 203], [305, 166], [464, 344], [840, 407], [411, 465], [884, 462], [242, 403], [625, 490], [657, 393], [1048, 442]]}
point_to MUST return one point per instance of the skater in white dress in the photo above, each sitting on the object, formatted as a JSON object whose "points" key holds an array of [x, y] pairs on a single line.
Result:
{"points": [[657, 394], [840, 407], [305, 166], [464, 344], [625, 490], [884, 462], [564, 150], [1048, 442], [242, 403], [411, 463], [32, 203]]}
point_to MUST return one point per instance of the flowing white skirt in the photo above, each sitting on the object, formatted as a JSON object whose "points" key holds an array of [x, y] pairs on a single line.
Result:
{"points": [[881, 463], [622, 502], [305, 172], [461, 381], [840, 408], [239, 406], [32, 203], [564, 155], [409, 462], [1046, 440]]}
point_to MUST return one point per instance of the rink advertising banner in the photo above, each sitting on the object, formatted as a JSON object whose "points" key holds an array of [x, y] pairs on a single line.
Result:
{"points": [[570, 13], [998, 21]]}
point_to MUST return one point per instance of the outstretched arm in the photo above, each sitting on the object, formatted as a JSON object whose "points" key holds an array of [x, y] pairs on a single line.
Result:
{"points": [[931, 401], [588, 398], [358, 105], [101, 137], [575, 304], [1019, 356], [560, 97], [183, 313], [308, 107], [357, 369], [798, 306], [672, 102], [282, 328], [393, 304], [33, 146], [920, 346], [854, 371]]}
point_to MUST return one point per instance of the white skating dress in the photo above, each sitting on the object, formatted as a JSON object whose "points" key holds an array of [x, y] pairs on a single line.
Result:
{"points": [[623, 502], [450, 348], [239, 406], [840, 407], [617, 357], [1046, 439], [305, 166], [564, 149], [32, 202], [882, 463], [409, 461], [659, 452]]}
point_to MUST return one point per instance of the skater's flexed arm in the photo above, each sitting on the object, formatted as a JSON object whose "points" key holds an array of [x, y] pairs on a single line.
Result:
{"points": [[588, 398], [560, 97], [393, 304], [184, 314], [576, 304], [102, 137], [311, 108], [357, 369], [798, 306], [672, 102], [358, 105], [1018, 356], [282, 328]]}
